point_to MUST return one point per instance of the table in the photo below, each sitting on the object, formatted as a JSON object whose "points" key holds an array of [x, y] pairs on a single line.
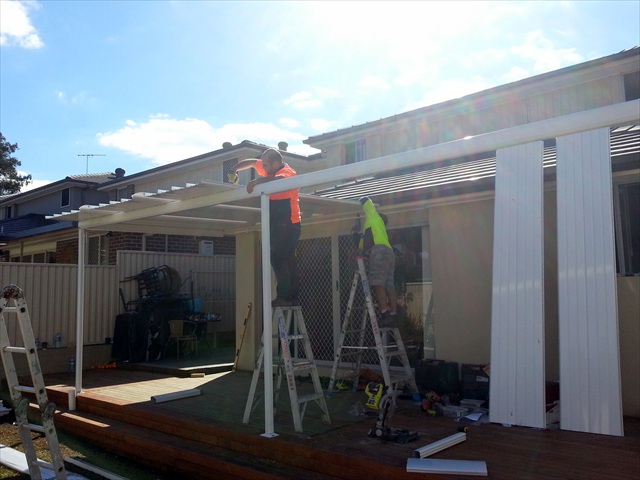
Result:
{"points": [[203, 320]]}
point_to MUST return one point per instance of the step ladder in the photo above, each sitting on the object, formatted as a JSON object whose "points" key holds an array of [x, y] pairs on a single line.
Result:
{"points": [[12, 301], [387, 343], [291, 332]]}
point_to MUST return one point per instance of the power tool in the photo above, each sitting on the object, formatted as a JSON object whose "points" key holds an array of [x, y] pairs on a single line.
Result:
{"points": [[380, 398]]}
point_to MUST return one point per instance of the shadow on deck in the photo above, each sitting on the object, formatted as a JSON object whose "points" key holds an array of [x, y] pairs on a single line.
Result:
{"points": [[204, 437]]}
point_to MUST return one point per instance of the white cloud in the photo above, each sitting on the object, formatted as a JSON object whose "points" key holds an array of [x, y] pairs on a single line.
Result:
{"points": [[302, 100], [78, 99], [320, 124], [15, 25], [165, 140], [289, 122], [373, 84], [34, 184], [455, 89], [516, 73], [302, 149], [545, 56], [305, 99]]}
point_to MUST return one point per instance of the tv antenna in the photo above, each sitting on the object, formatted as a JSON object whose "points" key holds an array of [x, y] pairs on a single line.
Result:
{"points": [[90, 155]]}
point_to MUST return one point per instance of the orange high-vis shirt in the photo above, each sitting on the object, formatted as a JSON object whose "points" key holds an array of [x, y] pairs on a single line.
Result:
{"points": [[284, 207]]}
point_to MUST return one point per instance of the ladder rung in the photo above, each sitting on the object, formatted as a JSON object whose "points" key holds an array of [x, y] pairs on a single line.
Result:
{"points": [[296, 337], [310, 397], [34, 427], [43, 464], [349, 332], [24, 388], [11, 349], [303, 365], [358, 352], [392, 353], [400, 379], [10, 309]]}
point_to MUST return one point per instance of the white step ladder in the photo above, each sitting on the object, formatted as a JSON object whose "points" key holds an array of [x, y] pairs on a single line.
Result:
{"points": [[388, 343], [289, 323], [12, 301]]}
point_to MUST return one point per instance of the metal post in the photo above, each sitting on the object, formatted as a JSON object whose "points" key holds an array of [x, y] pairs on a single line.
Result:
{"points": [[267, 358], [82, 248]]}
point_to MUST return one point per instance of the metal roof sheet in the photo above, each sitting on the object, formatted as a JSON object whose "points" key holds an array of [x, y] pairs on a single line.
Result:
{"points": [[445, 179]]}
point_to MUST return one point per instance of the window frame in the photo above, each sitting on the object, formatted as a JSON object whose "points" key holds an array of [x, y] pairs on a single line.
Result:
{"points": [[65, 192], [355, 152], [626, 192]]}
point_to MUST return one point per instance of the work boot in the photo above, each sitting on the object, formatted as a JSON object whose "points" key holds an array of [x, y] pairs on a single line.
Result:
{"points": [[388, 321]]}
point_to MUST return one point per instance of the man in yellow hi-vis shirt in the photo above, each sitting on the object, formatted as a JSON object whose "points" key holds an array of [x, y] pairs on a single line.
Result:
{"points": [[382, 263]]}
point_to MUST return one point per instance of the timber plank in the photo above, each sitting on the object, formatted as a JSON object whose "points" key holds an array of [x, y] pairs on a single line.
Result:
{"points": [[343, 449], [172, 454]]}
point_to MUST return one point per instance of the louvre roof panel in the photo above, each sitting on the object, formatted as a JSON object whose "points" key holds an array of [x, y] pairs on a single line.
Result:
{"points": [[447, 180], [193, 209]]}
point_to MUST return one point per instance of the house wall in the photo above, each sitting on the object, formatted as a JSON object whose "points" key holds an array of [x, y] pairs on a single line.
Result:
{"points": [[474, 115], [629, 325], [248, 290], [461, 265], [50, 204], [462, 243]]}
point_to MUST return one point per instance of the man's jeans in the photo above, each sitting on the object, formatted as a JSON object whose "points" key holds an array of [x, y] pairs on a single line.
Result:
{"points": [[284, 240]]}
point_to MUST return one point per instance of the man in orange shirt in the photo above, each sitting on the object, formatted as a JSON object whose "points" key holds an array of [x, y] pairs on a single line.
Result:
{"points": [[284, 211]]}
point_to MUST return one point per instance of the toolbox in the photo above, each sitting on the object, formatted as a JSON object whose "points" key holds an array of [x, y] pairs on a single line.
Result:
{"points": [[474, 382], [438, 376]]}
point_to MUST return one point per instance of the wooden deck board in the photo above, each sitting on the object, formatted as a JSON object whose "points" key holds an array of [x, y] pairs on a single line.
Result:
{"points": [[342, 449]]}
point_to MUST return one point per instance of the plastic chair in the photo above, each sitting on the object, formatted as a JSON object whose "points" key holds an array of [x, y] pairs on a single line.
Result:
{"points": [[183, 331]]}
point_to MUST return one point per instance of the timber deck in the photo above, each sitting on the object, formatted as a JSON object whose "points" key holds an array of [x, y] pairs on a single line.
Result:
{"points": [[203, 436]]}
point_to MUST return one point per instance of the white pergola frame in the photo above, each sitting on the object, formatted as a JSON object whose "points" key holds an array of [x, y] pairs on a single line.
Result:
{"points": [[189, 208]]}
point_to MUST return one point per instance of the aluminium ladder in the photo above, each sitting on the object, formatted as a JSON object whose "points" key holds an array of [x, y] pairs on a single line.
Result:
{"points": [[289, 323], [388, 342], [12, 301]]}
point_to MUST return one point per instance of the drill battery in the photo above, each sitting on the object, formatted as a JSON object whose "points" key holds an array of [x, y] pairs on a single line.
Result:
{"points": [[374, 391]]}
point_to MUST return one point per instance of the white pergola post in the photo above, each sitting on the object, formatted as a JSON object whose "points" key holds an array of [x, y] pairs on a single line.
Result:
{"points": [[267, 326], [83, 238]]}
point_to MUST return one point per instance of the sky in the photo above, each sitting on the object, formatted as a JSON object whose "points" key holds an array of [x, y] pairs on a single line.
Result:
{"points": [[91, 86]]}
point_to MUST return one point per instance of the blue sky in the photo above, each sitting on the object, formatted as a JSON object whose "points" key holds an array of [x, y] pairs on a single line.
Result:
{"points": [[146, 83]]}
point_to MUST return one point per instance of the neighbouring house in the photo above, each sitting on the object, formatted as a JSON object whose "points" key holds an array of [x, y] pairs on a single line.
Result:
{"points": [[26, 235], [41, 253], [515, 210]]}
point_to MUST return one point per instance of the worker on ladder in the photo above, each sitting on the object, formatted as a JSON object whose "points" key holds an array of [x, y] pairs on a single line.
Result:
{"points": [[284, 209], [374, 242]]}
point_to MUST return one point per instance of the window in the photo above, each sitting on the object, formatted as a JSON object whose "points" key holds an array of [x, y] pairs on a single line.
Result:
{"points": [[98, 250], [64, 197], [355, 152], [627, 227], [226, 169], [8, 212], [124, 193], [632, 86]]}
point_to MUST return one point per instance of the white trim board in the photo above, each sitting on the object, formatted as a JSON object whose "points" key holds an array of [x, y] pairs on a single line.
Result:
{"points": [[476, 468]]}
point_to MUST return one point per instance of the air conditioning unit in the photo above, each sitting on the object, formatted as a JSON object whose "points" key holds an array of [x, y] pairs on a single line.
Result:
{"points": [[206, 248]]}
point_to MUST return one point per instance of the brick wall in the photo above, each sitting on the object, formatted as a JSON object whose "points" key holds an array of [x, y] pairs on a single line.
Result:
{"points": [[67, 250]]}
